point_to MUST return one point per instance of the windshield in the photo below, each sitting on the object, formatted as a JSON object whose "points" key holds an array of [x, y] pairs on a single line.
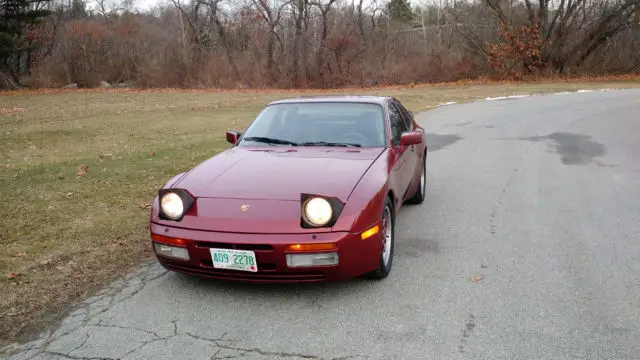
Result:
{"points": [[321, 124]]}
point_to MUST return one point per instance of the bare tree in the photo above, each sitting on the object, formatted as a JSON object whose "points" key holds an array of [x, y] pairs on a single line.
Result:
{"points": [[328, 43], [574, 29], [204, 19], [271, 14], [324, 6]]}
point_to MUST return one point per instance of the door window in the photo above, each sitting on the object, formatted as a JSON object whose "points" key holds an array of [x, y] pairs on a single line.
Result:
{"points": [[398, 124], [405, 115]]}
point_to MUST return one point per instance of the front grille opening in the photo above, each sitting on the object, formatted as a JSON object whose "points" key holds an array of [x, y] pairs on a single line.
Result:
{"points": [[261, 266], [253, 277]]}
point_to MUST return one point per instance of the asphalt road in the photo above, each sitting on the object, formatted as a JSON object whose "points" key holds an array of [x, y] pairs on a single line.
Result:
{"points": [[528, 247]]}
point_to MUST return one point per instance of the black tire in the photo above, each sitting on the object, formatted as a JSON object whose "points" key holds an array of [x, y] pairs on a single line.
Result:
{"points": [[385, 264], [420, 194]]}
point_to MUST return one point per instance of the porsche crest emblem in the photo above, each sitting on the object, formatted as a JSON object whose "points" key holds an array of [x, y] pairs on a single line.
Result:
{"points": [[244, 208]]}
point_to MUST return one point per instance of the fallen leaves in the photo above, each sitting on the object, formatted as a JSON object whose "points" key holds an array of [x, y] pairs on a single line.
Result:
{"points": [[84, 169], [102, 157], [6, 111], [120, 241]]}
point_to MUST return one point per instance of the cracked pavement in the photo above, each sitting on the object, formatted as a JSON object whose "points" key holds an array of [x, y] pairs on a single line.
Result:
{"points": [[526, 247]]}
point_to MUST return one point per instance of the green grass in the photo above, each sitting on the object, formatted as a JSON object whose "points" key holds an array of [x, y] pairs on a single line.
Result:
{"points": [[67, 234]]}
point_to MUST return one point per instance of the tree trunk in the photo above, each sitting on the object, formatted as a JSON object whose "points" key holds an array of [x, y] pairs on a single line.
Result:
{"points": [[270, 62], [320, 54], [298, 55], [7, 82], [223, 36]]}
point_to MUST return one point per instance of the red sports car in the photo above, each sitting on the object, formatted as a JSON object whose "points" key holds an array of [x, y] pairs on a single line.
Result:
{"points": [[309, 192]]}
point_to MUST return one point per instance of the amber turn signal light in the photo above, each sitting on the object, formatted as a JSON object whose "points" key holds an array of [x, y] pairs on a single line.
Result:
{"points": [[370, 232], [312, 247]]}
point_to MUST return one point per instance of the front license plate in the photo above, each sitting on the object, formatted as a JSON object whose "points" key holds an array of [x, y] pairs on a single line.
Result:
{"points": [[234, 259]]}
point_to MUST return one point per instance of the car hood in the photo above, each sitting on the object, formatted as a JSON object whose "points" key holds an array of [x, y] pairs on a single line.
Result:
{"points": [[279, 173]]}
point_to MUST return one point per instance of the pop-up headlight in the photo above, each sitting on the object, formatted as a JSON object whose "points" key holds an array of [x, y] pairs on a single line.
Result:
{"points": [[174, 203]]}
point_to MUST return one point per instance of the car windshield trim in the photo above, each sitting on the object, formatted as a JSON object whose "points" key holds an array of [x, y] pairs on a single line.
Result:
{"points": [[328, 143], [270, 141]]}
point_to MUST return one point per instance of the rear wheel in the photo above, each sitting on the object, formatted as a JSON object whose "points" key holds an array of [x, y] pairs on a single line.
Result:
{"points": [[388, 237], [419, 195]]}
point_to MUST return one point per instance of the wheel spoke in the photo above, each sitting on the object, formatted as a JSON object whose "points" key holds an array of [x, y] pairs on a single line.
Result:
{"points": [[387, 237]]}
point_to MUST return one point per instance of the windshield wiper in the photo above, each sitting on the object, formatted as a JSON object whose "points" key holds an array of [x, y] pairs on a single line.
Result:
{"points": [[268, 140], [326, 143]]}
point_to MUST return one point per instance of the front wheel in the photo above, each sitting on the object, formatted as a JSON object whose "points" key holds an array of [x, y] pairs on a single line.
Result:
{"points": [[420, 194], [388, 241]]}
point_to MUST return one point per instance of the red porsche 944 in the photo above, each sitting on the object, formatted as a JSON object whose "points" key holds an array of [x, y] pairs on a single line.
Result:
{"points": [[309, 192]]}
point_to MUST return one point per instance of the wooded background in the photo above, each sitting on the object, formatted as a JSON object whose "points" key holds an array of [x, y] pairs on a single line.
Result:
{"points": [[312, 43]]}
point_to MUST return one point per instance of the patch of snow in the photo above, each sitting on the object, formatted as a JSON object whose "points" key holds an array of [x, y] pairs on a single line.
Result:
{"points": [[582, 91], [528, 95], [447, 103], [506, 97]]}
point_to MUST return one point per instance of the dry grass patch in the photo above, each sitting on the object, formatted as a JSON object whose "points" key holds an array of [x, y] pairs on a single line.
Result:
{"points": [[78, 170]]}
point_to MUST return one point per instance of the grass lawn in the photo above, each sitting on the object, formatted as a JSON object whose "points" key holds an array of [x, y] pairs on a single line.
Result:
{"points": [[78, 170]]}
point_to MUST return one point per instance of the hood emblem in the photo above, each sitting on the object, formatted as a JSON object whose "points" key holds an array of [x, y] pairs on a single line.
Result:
{"points": [[244, 208]]}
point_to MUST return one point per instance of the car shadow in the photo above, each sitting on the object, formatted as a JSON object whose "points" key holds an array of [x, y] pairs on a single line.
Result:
{"points": [[282, 290]]}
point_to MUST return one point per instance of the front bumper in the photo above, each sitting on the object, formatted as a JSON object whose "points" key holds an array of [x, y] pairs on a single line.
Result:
{"points": [[356, 256]]}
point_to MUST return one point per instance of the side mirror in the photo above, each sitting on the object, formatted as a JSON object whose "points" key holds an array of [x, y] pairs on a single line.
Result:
{"points": [[232, 137], [411, 138]]}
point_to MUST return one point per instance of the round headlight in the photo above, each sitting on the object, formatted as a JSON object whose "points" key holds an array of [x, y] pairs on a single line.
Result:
{"points": [[318, 211], [172, 205]]}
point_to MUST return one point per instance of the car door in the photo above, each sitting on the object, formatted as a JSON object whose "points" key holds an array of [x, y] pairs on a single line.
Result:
{"points": [[401, 155], [413, 155]]}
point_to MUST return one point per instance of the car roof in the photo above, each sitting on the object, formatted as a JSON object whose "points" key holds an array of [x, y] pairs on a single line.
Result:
{"points": [[367, 99]]}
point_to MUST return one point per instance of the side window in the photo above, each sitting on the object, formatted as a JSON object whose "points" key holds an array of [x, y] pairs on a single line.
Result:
{"points": [[405, 115], [398, 125]]}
